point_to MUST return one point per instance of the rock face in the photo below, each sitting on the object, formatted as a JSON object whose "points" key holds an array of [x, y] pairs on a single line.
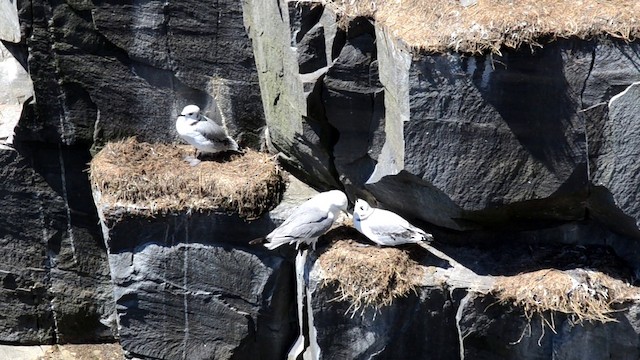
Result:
{"points": [[436, 322], [56, 284], [101, 71], [187, 286], [105, 71], [520, 155], [471, 141]]}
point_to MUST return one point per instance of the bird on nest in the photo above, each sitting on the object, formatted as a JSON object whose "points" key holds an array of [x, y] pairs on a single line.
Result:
{"points": [[203, 133]]}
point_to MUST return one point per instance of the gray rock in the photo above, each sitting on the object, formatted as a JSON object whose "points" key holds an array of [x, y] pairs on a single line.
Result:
{"points": [[442, 319], [96, 80], [494, 331], [56, 283], [9, 23], [292, 101], [461, 142], [615, 170], [16, 89], [420, 324], [121, 70], [200, 301], [189, 285]]}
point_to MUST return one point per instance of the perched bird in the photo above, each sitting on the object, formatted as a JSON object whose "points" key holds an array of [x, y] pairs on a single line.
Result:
{"points": [[202, 132], [385, 227], [389, 229], [309, 221]]}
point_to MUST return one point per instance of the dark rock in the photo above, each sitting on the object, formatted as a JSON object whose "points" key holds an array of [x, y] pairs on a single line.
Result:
{"points": [[616, 169], [495, 331], [421, 323], [442, 320], [190, 286], [106, 70], [354, 101], [56, 285], [185, 286], [481, 141]]}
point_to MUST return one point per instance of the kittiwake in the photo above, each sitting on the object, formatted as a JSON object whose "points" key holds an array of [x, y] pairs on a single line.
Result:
{"points": [[309, 221], [385, 227], [203, 133]]}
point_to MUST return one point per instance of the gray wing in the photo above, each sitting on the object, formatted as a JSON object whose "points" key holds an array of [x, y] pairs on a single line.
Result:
{"points": [[211, 130], [392, 228], [305, 223]]}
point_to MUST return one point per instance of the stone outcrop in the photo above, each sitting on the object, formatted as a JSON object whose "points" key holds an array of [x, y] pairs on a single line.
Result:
{"points": [[105, 71], [189, 286], [101, 71], [56, 283], [508, 159], [443, 320], [469, 141]]}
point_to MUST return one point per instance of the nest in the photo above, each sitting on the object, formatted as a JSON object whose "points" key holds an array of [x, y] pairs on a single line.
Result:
{"points": [[155, 178], [367, 276], [583, 295], [444, 25]]}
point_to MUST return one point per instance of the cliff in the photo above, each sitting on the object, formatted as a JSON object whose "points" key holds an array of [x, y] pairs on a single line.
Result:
{"points": [[507, 130]]}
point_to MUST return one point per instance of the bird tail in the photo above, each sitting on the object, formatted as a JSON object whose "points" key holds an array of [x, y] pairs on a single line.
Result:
{"points": [[271, 245], [256, 241]]}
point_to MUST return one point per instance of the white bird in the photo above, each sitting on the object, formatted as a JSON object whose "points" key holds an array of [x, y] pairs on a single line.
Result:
{"points": [[202, 132], [389, 229], [385, 227], [309, 221]]}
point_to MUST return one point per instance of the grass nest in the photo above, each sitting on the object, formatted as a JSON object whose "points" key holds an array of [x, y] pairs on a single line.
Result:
{"points": [[366, 276], [583, 295], [155, 178], [443, 25]]}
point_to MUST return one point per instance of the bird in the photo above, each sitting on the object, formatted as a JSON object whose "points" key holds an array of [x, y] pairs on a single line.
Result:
{"points": [[386, 228], [203, 133], [309, 221]]}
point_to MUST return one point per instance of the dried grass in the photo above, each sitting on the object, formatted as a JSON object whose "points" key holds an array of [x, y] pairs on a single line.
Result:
{"points": [[443, 25], [583, 295], [367, 276], [155, 178]]}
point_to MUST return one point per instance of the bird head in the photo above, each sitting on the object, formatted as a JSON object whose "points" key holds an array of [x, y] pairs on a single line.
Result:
{"points": [[362, 210], [191, 112], [338, 200]]}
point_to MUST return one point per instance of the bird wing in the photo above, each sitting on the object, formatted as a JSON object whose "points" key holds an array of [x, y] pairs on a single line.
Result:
{"points": [[211, 131], [393, 229], [305, 223]]}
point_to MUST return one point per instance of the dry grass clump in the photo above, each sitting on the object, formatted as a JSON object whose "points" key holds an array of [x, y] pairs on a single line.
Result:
{"points": [[155, 178], [583, 295], [367, 276], [442, 25]]}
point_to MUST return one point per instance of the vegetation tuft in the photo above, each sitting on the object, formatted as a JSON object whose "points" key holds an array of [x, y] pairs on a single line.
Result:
{"points": [[156, 179]]}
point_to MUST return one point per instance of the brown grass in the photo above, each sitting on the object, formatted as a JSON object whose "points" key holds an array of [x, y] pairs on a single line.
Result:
{"points": [[584, 295], [367, 276], [155, 178], [443, 25]]}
